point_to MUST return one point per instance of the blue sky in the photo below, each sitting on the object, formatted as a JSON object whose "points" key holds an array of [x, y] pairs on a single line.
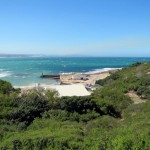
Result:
{"points": [[75, 27]]}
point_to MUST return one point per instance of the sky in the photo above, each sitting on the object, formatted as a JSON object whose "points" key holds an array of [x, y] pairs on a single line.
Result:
{"points": [[75, 27]]}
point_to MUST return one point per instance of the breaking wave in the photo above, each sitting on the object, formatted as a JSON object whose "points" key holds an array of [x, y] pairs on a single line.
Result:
{"points": [[4, 73], [101, 70]]}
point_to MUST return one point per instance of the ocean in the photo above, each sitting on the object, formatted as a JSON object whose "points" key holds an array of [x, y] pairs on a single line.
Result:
{"points": [[26, 70]]}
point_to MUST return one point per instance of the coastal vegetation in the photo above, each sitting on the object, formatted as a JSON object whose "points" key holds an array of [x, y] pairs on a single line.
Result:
{"points": [[108, 119]]}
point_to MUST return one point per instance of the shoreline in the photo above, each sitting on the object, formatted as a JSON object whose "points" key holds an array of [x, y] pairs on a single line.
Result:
{"points": [[86, 78], [101, 75], [75, 84]]}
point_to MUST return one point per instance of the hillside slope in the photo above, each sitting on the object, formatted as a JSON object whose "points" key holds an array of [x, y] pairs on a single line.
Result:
{"points": [[107, 120]]}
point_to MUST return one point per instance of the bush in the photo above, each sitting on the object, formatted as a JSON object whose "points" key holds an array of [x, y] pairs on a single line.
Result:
{"points": [[77, 104], [28, 107], [5, 87], [136, 64], [56, 114], [104, 121]]}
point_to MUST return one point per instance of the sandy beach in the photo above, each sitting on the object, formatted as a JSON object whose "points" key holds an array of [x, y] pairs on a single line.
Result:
{"points": [[73, 84], [82, 78], [63, 90]]}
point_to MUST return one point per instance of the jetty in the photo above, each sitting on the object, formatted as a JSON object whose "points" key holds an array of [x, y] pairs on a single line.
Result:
{"points": [[50, 76]]}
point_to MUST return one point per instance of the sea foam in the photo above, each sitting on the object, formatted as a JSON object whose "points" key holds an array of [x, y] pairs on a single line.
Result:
{"points": [[101, 70], [4, 73]]}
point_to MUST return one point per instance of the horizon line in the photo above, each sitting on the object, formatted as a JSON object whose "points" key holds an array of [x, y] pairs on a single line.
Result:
{"points": [[75, 55]]}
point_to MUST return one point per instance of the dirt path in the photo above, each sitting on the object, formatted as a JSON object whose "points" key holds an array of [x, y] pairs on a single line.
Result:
{"points": [[135, 98]]}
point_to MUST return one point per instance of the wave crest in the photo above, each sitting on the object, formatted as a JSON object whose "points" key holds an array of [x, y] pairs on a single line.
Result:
{"points": [[4, 73], [101, 70]]}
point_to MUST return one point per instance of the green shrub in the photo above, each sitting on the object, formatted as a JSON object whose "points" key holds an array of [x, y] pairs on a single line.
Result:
{"points": [[77, 104], [28, 107], [104, 121], [5, 87]]}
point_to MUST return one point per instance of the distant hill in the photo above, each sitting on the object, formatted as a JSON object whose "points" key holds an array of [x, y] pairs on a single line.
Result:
{"points": [[15, 55]]}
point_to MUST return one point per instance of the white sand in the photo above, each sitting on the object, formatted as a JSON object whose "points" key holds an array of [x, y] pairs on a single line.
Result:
{"points": [[70, 90], [63, 90]]}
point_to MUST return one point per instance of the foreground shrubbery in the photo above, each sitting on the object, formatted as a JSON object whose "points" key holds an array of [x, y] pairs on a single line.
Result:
{"points": [[106, 120]]}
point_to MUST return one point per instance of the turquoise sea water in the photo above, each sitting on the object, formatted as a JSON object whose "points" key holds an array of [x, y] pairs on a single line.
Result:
{"points": [[27, 70]]}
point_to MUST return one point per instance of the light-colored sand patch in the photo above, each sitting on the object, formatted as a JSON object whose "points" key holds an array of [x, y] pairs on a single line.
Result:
{"points": [[70, 90], [83, 78], [86, 78], [63, 90], [135, 98]]}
